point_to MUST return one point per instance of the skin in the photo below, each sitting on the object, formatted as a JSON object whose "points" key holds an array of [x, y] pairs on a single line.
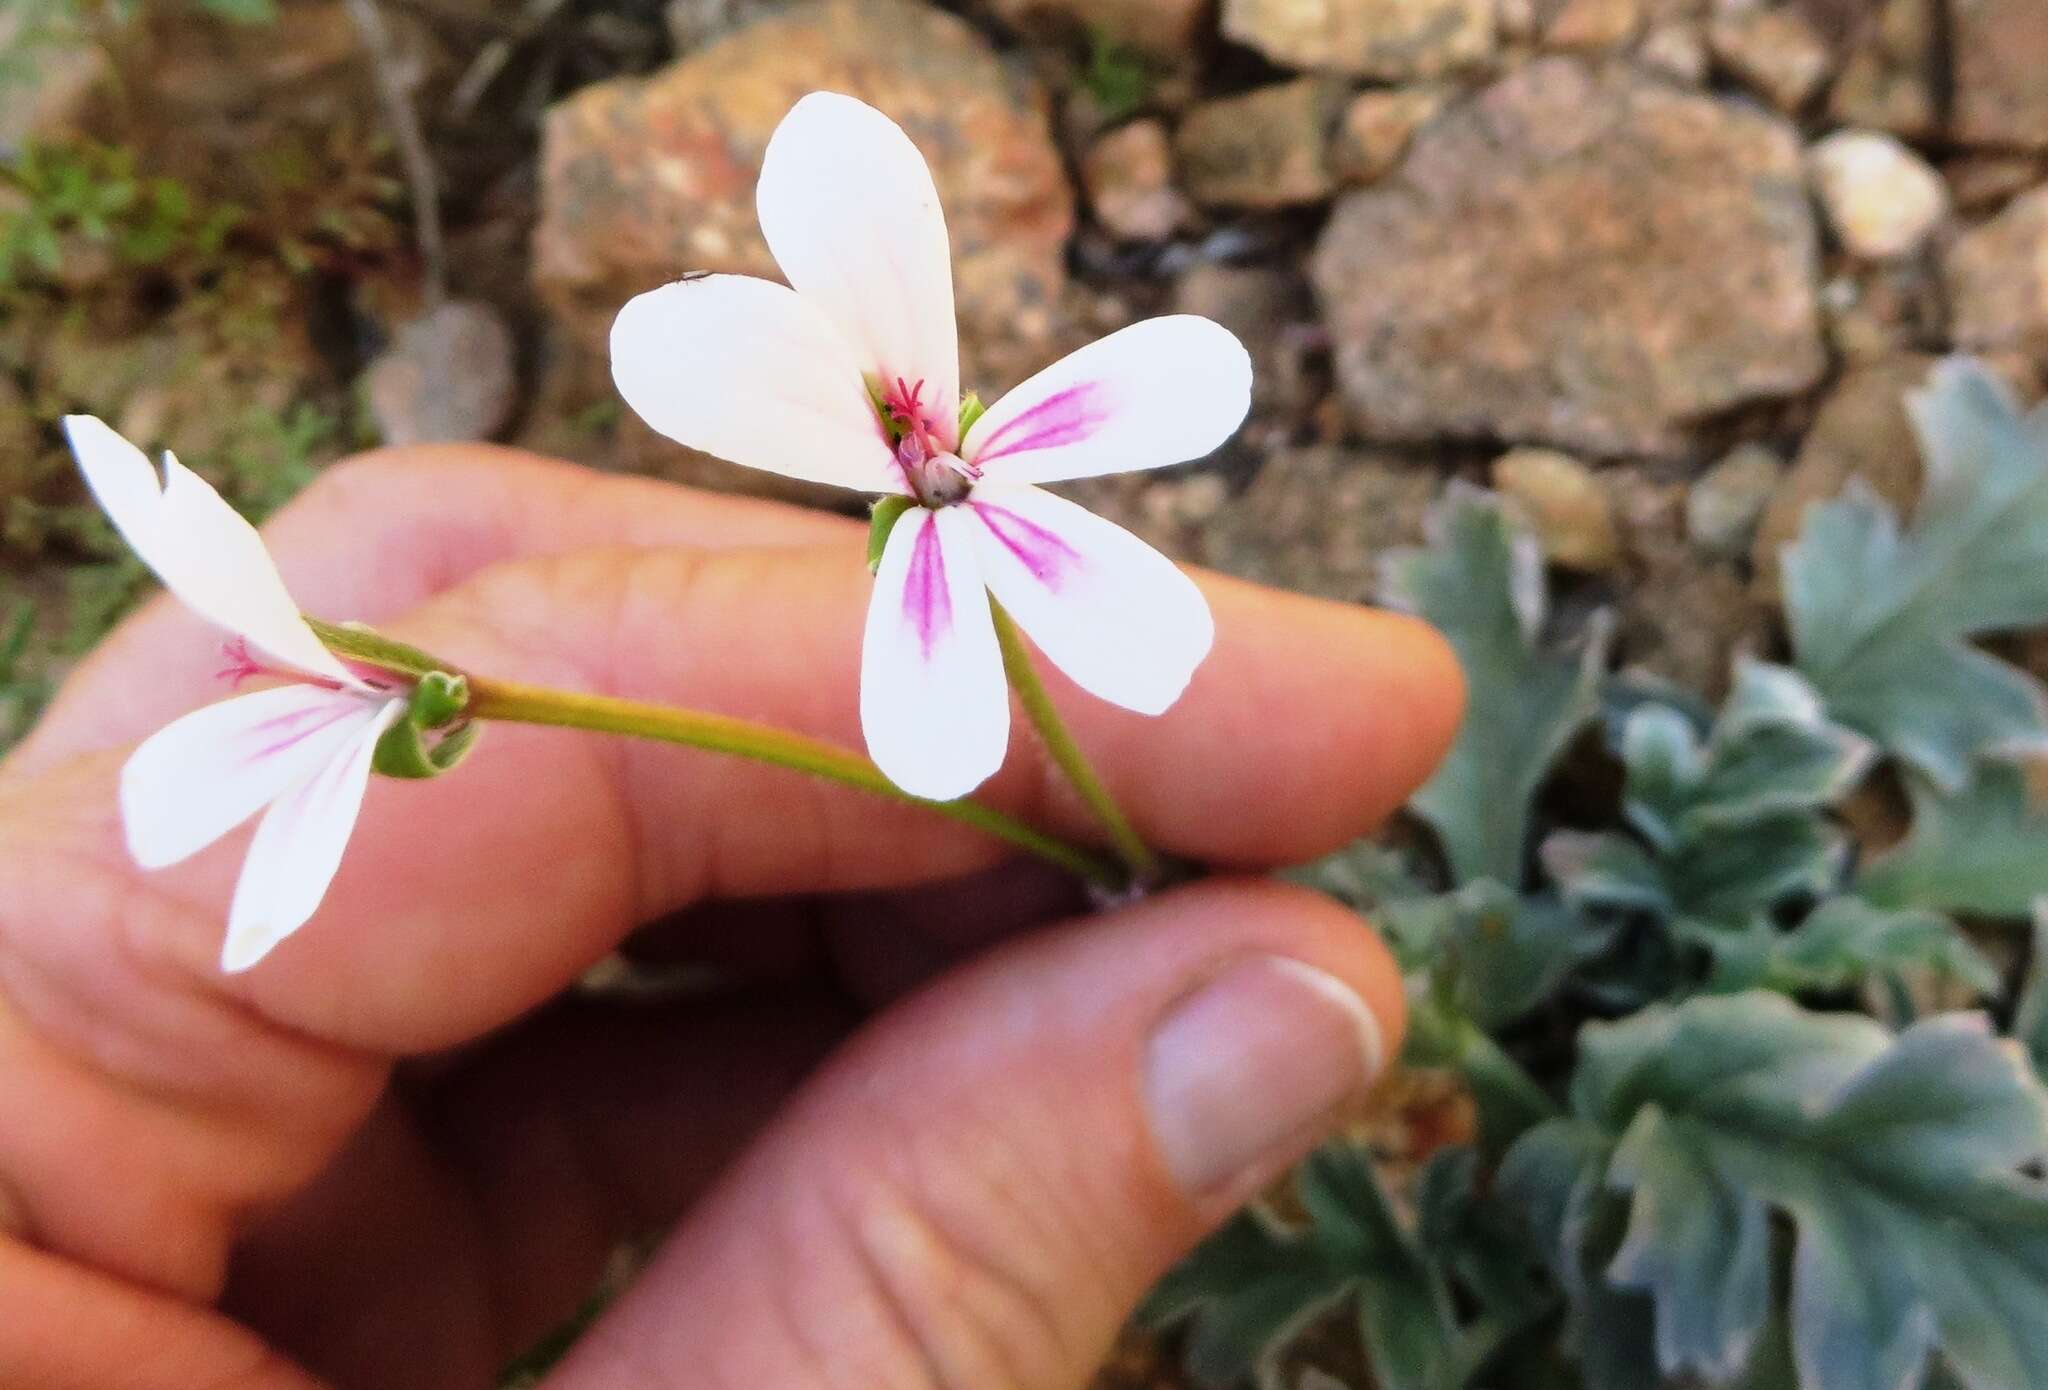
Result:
{"points": [[395, 1152]]}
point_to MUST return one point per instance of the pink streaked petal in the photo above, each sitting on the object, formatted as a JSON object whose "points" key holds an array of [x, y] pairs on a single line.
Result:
{"points": [[1118, 617], [744, 369], [848, 207], [205, 552], [1159, 392], [299, 842], [933, 704], [201, 776]]}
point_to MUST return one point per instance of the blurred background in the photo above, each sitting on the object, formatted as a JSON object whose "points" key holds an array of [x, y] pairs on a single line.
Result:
{"points": [[1657, 271]]}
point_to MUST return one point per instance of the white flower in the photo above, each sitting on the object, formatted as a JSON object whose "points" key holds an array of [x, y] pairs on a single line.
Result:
{"points": [[301, 749], [853, 378]]}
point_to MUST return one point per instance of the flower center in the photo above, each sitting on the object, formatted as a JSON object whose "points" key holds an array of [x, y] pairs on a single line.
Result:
{"points": [[938, 477]]}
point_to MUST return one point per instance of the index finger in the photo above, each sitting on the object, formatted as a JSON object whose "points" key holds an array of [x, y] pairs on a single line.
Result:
{"points": [[465, 900]]}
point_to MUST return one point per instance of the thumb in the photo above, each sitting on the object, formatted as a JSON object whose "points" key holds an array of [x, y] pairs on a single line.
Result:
{"points": [[978, 1190]]}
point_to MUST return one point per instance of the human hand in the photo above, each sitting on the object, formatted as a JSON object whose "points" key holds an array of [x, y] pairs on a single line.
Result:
{"points": [[924, 1134]]}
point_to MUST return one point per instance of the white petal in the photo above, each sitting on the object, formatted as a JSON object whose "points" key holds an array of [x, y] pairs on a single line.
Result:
{"points": [[745, 369], [204, 774], [933, 702], [1118, 617], [123, 481], [298, 846], [205, 552], [1162, 391], [848, 207]]}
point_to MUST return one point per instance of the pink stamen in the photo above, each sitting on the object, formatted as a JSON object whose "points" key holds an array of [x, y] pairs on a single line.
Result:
{"points": [[242, 665]]}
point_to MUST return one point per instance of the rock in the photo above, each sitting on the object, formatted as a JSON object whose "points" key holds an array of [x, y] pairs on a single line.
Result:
{"points": [[1318, 519], [1725, 504], [1580, 257], [1314, 519], [446, 378], [1593, 26], [1882, 199], [1269, 309], [1860, 431], [1981, 181], [1889, 78], [1682, 616], [1375, 129], [1571, 513], [2000, 73], [1167, 31], [1516, 22], [1267, 148], [1129, 177], [1774, 52], [1885, 308], [1997, 278], [1391, 40], [644, 179], [1677, 49]]}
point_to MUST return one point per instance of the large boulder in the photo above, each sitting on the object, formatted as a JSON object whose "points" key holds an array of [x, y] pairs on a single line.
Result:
{"points": [[644, 179], [1584, 257]]}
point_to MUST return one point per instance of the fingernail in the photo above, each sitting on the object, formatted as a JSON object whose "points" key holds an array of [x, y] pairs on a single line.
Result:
{"points": [[1243, 1073]]}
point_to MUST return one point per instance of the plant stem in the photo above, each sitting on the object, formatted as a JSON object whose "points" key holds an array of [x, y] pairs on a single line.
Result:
{"points": [[526, 704], [1038, 707]]}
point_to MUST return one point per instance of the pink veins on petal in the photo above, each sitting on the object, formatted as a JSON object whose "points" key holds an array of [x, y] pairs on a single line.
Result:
{"points": [[927, 603], [1065, 417], [1049, 559], [289, 730]]}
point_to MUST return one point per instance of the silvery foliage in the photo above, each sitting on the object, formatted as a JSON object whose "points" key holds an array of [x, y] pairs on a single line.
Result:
{"points": [[1696, 1162], [1480, 581], [1880, 615]]}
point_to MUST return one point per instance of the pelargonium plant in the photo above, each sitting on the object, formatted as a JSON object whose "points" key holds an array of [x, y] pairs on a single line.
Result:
{"points": [[850, 376]]}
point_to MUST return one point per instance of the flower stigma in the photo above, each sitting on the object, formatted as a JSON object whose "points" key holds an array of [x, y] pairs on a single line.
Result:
{"points": [[937, 476]]}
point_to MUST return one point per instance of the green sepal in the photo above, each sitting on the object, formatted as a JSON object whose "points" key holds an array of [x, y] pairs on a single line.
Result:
{"points": [[971, 409], [882, 519], [358, 643], [432, 737]]}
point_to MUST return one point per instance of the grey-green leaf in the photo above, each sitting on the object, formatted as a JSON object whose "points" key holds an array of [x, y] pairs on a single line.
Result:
{"points": [[1881, 619], [1773, 750], [1246, 1290], [1845, 941], [2030, 1015], [1252, 1284], [1982, 848], [1480, 580], [1897, 1160]]}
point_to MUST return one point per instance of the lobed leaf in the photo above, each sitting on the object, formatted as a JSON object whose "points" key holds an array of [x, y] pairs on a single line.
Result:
{"points": [[1898, 1162], [1980, 848], [1480, 581], [1847, 940], [1249, 1287], [1880, 618]]}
